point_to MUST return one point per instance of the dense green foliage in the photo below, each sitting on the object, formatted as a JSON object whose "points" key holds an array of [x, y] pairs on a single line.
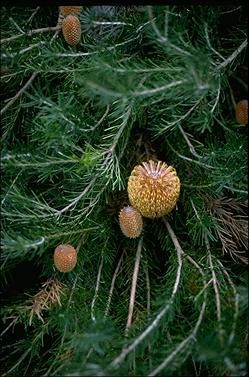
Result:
{"points": [[144, 83]]}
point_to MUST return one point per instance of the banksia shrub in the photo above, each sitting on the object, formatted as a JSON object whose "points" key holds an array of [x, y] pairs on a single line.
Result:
{"points": [[153, 188], [71, 30], [65, 258], [131, 222], [242, 111], [65, 11]]}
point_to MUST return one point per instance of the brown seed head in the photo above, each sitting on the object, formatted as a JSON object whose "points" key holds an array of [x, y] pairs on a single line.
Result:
{"points": [[131, 222], [65, 258], [71, 30], [242, 111], [153, 188], [65, 11]]}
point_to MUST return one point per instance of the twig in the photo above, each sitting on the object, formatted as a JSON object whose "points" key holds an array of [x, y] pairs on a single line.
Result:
{"points": [[161, 38], [133, 286], [16, 25], [148, 310], [222, 125], [19, 93], [120, 358], [125, 116], [111, 23], [99, 121], [75, 201], [203, 289], [236, 304], [98, 51], [209, 44], [181, 346], [148, 290], [216, 290], [96, 289], [159, 89], [59, 25], [166, 23], [191, 337], [43, 164], [190, 159], [173, 237], [30, 33], [181, 118], [112, 286], [233, 55], [63, 234], [33, 15], [88, 355], [10, 187], [9, 325], [31, 47], [19, 361], [236, 190], [217, 99], [232, 10], [152, 18], [191, 147]]}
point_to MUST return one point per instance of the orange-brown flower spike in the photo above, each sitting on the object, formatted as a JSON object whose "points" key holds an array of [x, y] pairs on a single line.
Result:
{"points": [[131, 222], [153, 188], [241, 111], [71, 30], [65, 258], [66, 10]]}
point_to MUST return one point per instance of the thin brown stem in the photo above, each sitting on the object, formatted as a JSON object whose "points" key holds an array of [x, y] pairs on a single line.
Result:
{"points": [[126, 350], [96, 289], [112, 285], [12, 323], [33, 14], [133, 286], [191, 147], [233, 55], [19, 93], [148, 311], [30, 33], [173, 237], [216, 290]]}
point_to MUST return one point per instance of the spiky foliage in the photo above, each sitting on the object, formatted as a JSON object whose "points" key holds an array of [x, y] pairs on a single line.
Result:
{"points": [[143, 83]]}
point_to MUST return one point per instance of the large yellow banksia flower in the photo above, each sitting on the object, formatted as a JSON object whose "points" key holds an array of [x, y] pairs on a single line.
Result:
{"points": [[153, 188]]}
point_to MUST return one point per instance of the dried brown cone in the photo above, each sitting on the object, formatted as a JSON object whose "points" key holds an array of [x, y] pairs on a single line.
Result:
{"points": [[241, 111], [71, 30], [131, 222], [66, 10], [232, 225], [49, 295], [153, 188], [65, 258]]}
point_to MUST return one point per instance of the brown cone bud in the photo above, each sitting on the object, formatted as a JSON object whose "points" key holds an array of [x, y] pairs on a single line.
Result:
{"points": [[65, 258], [71, 30], [242, 111], [131, 222], [153, 188]]}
